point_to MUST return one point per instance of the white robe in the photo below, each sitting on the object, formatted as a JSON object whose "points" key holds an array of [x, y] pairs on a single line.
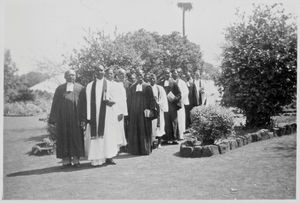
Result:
{"points": [[121, 105], [161, 99], [184, 101], [100, 148]]}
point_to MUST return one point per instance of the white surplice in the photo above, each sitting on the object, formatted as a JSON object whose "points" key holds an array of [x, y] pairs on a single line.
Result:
{"points": [[184, 101], [100, 148], [161, 98], [121, 105]]}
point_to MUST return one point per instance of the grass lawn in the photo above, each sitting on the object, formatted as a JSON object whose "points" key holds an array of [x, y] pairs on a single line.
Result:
{"points": [[262, 170]]}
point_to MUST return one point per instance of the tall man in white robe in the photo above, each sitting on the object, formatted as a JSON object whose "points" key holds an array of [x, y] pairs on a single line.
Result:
{"points": [[102, 115], [121, 101], [184, 101], [158, 124]]}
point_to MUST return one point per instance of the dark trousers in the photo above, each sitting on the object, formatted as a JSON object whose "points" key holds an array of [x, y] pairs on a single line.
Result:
{"points": [[126, 123], [171, 125], [188, 121]]}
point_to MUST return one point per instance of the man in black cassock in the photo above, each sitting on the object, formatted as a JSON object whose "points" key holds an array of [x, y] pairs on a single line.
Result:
{"points": [[192, 97], [141, 111], [65, 112], [173, 96], [131, 79]]}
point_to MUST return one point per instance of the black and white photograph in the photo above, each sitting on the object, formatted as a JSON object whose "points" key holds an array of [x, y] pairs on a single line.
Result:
{"points": [[149, 100]]}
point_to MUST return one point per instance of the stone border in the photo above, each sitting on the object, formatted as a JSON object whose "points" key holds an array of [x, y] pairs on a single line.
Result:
{"points": [[186, 150]]}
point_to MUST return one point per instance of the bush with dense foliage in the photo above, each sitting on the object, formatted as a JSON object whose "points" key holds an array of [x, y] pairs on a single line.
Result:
{"points": [[41, 104], [259, 66], [21, 109], [211, 123], [148, 50]]}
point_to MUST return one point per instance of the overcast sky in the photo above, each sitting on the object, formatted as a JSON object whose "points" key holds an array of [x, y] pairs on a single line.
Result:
{"points": [[37, 30]]}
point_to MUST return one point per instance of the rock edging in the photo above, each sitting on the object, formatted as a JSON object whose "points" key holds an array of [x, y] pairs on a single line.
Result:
{"points": [[194, 149]]}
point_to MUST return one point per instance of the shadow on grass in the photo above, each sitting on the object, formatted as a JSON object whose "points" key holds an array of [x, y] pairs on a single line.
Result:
{"points": [[177, 154], [54, 169], [126, 156], [38, 138], [288, 149]]}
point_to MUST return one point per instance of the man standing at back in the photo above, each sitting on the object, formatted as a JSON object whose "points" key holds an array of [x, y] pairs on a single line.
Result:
{"points": [[158, 124], [192, 98], [171, 119], [200, 94], [141, 111], [184, 101], [65, 112]]}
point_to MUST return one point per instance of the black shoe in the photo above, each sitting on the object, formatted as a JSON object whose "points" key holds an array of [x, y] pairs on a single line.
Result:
{"points": [[174, 142], [165, 142], [110, 162], [64, 166], [77, 165]]}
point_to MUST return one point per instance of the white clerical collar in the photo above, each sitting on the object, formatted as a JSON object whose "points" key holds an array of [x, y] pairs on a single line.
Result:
{"points": [[70, 87], [166, 83], [139, 88]]}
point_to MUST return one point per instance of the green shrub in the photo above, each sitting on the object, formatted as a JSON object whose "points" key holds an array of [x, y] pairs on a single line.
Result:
{"points": [[21, 109], [41, 104], [24, 94], [210, 123]]}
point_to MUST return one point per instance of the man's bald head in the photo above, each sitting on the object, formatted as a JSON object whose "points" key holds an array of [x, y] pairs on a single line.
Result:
{"points": [[121, 74], [70, 75]]}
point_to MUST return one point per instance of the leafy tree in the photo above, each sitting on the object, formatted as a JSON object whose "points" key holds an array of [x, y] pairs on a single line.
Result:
{"points": [[32, 78], [10, 77], [141, 49], [15, 87], [259, 63], [210, 72]]}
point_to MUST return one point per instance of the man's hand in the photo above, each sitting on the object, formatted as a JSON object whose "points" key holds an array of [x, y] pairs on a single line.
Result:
{"points": [[110, 103], [120, 117], [83, 125], [51, 123], [201, 90]]}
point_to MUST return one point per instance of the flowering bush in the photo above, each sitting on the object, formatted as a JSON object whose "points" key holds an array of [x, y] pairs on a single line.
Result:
{"points": [[210, 123]]}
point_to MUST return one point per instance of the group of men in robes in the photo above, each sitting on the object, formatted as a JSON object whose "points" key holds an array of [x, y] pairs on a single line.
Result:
{"points": [[116, 110]]}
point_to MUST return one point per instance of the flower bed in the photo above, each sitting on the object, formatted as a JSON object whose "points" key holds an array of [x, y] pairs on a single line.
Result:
{"points": [[193, 148]]}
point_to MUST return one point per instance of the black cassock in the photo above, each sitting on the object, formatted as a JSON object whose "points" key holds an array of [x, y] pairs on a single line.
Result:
{"points": [[171, 119], [192, 101], [140, 127], [65, 112]]}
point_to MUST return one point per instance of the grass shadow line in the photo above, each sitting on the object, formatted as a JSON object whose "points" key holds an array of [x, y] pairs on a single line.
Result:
{"points": [[54, 169], [37, 138], [125, 156]]}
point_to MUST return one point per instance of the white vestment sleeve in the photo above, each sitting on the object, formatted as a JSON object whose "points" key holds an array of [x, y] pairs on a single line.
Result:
{"points": [[184, 92], [163, 103], [88, 100], [124, 102], [119, 95]]}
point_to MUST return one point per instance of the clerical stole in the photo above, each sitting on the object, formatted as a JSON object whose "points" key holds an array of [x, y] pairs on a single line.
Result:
{"points": [[102, 112]]}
